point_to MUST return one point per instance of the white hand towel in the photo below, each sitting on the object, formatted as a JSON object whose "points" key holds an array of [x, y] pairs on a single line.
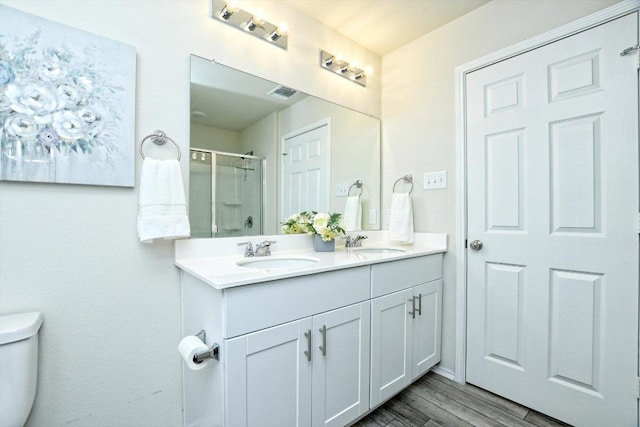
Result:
{"points": [[162, 211], [401, 218], [352, 217]]}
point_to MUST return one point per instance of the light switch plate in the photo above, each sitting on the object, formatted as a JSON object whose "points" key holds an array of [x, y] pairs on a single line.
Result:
{"points": [[342, 189], [435, 180], [373, 216]]}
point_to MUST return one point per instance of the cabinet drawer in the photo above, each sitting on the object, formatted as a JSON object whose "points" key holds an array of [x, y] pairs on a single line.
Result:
{"points": [[253, 307], [393, 276]]}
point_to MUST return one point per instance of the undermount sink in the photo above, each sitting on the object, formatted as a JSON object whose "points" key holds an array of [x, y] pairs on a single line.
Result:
{"points": [[376, 253], [270, 263], [378, 250]]}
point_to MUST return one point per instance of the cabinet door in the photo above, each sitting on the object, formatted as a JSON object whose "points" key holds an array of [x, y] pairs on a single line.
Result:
{"points": [[268, 377], [391, 328], [341, 365], [427, 326]]}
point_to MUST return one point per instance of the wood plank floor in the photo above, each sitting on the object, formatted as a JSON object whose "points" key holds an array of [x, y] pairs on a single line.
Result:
{"points": [[437, 401]]}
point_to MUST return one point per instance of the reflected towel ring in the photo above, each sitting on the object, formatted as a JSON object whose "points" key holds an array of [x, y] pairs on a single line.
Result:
{"points": [[408, 179], [159, 138], [357, 184]]}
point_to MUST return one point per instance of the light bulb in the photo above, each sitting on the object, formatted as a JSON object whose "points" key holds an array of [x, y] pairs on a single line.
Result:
{"points": [[278, 32], [227, 10], [251, 24]]}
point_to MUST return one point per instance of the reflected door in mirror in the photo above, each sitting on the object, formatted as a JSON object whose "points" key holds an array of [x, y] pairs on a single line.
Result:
{"points": [[305, 172]]}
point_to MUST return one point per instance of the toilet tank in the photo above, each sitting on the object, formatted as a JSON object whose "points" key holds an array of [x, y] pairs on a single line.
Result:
{"points": [[18, 366]]}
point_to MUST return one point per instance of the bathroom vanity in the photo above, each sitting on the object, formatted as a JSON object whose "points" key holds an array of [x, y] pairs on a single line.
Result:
{"points": [[320, 342]]}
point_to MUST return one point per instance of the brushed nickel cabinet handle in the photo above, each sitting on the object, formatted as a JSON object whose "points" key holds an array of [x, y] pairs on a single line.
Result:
{"points": [[308, 351], [323, 347], [413, 307]]}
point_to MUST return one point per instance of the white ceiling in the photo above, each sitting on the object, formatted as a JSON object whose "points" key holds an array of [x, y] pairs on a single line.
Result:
{"points": [[382, 26]]}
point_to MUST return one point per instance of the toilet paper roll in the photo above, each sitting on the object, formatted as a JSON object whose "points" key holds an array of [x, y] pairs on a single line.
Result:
{"points": [[190, 346]]}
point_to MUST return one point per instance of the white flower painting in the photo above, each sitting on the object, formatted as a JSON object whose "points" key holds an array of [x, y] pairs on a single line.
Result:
{"points": [[67, 104]]}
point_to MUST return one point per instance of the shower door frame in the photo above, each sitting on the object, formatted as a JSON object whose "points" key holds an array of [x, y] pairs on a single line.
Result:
{"points": [[213, 154]]}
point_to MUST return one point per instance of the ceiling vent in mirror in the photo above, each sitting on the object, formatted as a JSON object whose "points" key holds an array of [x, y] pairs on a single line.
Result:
{"points": [[282, 92]]}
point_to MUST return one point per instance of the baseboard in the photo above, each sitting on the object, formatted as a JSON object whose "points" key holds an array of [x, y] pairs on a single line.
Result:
{"points": [[444, 372]]}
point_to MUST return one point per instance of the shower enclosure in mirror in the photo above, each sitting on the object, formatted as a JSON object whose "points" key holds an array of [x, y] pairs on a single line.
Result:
{"points": [[225, 194], [236, 112]]}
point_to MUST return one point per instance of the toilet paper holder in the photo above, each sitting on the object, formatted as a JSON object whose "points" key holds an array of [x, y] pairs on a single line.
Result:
{"points": [[212, 353]]}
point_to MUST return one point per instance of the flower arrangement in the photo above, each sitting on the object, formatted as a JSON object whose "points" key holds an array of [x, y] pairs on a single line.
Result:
{"points": [[324, 224]]}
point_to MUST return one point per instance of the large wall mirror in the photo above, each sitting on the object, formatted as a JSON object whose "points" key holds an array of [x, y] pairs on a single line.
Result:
{"points": [[261, 151]]}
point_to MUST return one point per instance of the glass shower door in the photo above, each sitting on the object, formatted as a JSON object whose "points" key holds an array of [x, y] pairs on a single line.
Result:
{"points": [[200, 195], [225, 194], [238, 195]]}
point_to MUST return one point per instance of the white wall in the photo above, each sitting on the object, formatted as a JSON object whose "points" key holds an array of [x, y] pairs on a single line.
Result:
{"points": [[418, 111], [210, 138], [111, 304]]}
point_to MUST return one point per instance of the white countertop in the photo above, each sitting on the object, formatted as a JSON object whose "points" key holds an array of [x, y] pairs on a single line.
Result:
{"points": [[208, 259]]}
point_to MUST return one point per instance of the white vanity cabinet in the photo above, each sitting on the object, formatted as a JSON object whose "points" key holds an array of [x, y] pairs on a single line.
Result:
{"points": [[313, 349], [268, 378], [340, 385], [405, 324], [294, 352], [313, 371]]}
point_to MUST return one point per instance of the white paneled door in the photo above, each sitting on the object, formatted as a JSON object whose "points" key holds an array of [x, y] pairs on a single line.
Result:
{"points": [[552, 181], [305, 171]]}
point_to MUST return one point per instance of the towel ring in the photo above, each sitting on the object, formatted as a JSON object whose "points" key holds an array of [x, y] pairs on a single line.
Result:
{"points": [[357, 184], [159, 138], [408, 179]]}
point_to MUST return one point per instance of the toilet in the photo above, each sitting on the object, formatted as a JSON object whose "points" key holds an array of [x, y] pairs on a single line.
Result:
{"points": [[18, 366]]}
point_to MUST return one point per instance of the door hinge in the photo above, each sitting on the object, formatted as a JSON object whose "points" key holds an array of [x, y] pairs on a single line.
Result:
{"points": [[466, 246], [635, 49], [638, 225], [637, 387]]}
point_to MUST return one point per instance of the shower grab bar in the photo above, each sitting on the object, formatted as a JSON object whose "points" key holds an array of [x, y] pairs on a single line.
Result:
{"points": [[159, 138], [357, 184], [407, 178]]}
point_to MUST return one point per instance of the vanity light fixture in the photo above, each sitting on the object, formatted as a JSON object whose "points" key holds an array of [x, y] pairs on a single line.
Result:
{"points": [[337, 65], [250, 23]]}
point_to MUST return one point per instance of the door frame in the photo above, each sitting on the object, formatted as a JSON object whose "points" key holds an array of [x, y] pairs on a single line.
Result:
{"points": [[608, 14], [327, 162]]}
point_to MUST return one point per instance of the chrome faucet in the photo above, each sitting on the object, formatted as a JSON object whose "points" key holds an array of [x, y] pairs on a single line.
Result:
{"points": [[264, 248], [248, 250], [354, 241]]}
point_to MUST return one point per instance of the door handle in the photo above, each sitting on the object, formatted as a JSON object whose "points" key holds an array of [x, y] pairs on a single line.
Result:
{"points": [[419, 304], [308, 351], [323, 347], [476, 245]]}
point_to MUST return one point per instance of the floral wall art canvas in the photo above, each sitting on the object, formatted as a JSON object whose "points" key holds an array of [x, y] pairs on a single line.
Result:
{"points": [[67, 104]]}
